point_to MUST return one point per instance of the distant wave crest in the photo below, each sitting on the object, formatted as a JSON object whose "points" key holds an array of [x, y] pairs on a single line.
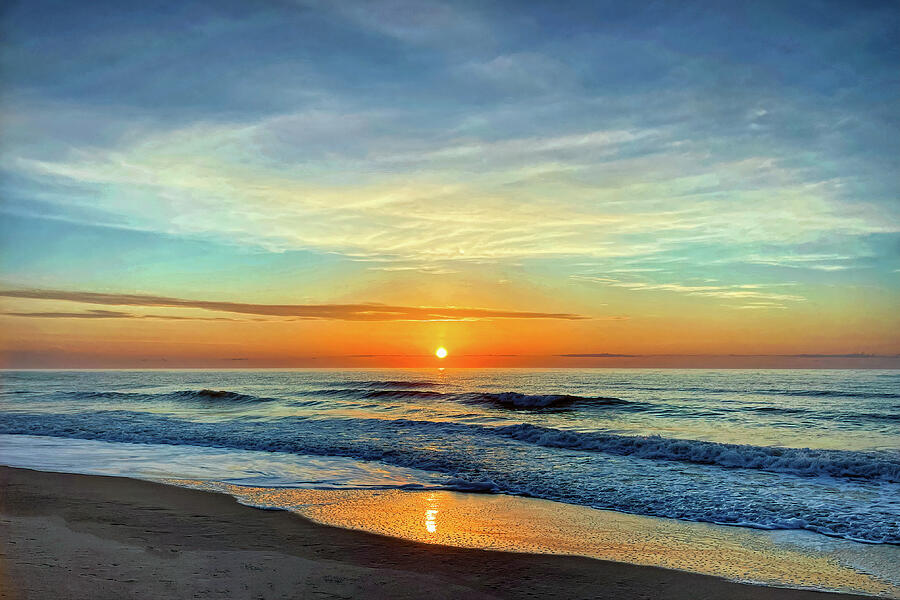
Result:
{"points": [[204, 395], [833, 393], [780, 410], [816, 393], [220, 396], [402, 394], [510, 400], [399, 384], [517, 400]]}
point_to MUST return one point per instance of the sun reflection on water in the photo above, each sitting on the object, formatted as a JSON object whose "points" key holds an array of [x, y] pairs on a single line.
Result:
{"points": [[431, 513]]}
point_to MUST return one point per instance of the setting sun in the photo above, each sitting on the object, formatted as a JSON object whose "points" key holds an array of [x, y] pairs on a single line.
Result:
{"points": [[441, 352]]}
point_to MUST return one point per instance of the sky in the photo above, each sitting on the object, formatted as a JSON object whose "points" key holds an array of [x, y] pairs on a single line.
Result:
{"points": [[303, 183]]}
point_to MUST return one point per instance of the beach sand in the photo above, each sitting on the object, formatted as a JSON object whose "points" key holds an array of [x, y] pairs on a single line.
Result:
{"points": [[82, 536]]}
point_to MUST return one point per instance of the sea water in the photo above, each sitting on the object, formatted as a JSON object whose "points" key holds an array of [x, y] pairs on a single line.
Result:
{"points": [[768, 449]]}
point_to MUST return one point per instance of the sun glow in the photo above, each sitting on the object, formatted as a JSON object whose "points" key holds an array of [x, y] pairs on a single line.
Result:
{"points": [[441, 352]]}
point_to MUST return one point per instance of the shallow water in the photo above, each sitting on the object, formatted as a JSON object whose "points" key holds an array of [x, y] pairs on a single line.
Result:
{"points": [[508, 523]]}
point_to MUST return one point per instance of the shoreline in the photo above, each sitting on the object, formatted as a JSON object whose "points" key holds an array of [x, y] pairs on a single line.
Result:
{"points": [[78, 536]]}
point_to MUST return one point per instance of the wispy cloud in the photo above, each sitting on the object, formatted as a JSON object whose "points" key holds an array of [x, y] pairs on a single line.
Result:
{"points": [[422, 268], [732, 292], [342, 312], [817, 262], [401, 193], [759, 306], [418, 22]]}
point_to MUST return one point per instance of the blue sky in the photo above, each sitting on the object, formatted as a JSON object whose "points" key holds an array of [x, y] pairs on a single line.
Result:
{"points": [[601, 158]]}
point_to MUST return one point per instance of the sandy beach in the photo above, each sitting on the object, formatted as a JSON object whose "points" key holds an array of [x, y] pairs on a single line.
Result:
{"points": [[78, 536]]}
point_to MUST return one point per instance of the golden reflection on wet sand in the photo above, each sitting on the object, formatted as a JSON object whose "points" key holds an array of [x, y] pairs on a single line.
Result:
{"points": [[431, 513], [517, 524]]}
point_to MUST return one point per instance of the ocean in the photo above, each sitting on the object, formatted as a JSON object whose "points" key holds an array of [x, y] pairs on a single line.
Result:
{"points": [[811, 450]]}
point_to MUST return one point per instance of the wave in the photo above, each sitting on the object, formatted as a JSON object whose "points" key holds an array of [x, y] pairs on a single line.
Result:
{"points": [[516, 400], [881, 416], [843, 416], [379, 384], [364, 393], [792, 461], [398, 384], [817, 393], [779, 410], [672, 477], [803, 462], [832, 393], [512, 400], [204, 395], [220, 396], [402, 394]]}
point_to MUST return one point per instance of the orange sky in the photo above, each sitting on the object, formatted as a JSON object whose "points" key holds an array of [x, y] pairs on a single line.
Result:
{"points": [[161, 337]]}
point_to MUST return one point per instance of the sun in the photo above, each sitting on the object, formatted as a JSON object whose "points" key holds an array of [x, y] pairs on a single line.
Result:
{"points": [[441, 352]]}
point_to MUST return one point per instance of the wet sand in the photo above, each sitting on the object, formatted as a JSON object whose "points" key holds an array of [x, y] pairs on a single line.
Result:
{"points": [[82, 536], [800, 559]]}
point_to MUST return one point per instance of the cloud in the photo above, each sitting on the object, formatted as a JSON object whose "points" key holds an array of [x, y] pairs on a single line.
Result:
{"points": [[379, 183], [848, 355], [745, 291], [598, 355], [484, 134], [430, 269], [341, 312], [760, 306], [417, 22], [109, 314], [525, 72], [817, 262], [601, 141], [91, 314]]}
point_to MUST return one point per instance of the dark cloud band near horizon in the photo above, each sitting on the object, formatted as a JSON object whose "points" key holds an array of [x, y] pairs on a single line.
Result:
{"points": [[108, 314], [338, 312]]}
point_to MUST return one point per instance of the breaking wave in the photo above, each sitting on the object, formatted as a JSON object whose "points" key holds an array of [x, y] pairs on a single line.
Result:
{"points": [[804, 462]]}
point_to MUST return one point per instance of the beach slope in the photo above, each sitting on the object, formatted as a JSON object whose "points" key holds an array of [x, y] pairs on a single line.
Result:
{"points": [[80, 536]]}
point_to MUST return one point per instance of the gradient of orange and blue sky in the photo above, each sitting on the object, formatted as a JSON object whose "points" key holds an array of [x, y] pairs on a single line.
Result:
{"points": [[347, 183]]}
